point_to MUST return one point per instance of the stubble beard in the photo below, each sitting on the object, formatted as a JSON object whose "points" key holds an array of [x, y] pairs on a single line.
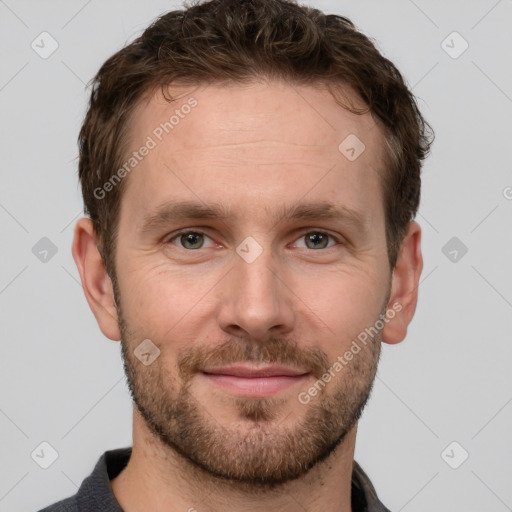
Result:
{"points": [[260, 448]]}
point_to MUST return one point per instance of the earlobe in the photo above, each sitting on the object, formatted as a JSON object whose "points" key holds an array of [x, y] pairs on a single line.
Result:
{"points": [[96, 282], [404, 287]]}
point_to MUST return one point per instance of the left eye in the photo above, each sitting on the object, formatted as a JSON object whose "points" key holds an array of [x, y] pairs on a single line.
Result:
{"points": [[317, 240], [194, 240]]}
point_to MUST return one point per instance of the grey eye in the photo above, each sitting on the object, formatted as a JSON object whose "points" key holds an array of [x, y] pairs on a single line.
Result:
{"points": [[316, 240], [192, 240]]}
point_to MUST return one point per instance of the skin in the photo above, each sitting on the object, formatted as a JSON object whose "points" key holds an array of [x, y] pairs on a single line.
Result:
{"points": [[252, 148]]}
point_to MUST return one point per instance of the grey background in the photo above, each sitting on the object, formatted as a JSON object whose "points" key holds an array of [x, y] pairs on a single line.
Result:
{"points": [[62, 382]]}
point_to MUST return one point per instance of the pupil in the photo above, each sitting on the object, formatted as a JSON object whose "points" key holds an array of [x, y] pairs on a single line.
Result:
{"points": [[315, 238], [191, 239]]}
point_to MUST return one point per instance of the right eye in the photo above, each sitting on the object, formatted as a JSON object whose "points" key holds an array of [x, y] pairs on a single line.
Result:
{"points": [[191, 240]]}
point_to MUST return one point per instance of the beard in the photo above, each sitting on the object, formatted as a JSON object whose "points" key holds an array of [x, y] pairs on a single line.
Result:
{"points": [[258, 448]]}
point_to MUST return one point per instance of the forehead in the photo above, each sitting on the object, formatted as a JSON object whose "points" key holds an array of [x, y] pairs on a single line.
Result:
{"points": [[215, 137], [234, 112]]}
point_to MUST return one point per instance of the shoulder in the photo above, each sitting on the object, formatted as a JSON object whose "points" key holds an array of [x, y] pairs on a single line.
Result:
{"points": [[364, 494], [65, 505], [95, 493]]}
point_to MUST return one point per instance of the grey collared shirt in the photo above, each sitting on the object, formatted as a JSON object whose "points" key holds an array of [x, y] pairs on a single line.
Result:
{"points": [[95, 494]]}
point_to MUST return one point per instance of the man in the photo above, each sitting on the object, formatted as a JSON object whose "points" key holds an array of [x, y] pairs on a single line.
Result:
{"points": [[251, 171]]}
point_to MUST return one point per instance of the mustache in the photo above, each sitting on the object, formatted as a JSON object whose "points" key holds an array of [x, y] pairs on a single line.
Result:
{"points": [[274, 350]]}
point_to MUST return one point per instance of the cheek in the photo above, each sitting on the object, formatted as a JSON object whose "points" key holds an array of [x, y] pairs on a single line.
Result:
{"points": [[161, 301], [345, 303]]}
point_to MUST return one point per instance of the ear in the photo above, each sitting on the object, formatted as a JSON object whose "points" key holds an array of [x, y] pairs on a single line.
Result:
{"points": [[404, 286], [96, 282]]}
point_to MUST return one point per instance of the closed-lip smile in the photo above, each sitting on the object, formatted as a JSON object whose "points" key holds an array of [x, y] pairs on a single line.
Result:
{"points": [[247, 371], [253, 380]]}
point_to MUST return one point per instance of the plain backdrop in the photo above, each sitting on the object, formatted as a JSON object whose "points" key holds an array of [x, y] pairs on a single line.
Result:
{"points": [[441, 396]]}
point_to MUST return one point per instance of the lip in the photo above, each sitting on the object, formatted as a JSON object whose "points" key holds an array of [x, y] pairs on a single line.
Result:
{"points": [[252, 371], [254, 381]]}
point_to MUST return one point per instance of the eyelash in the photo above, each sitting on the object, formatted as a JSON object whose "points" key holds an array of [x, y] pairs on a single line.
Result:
{"points": [[196, 232]]}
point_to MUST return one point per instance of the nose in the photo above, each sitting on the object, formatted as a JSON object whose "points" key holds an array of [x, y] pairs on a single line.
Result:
{"points": [[257, 300]]}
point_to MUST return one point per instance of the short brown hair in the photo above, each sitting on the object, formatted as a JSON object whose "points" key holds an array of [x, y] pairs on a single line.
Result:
{"points": [[239, 41]]}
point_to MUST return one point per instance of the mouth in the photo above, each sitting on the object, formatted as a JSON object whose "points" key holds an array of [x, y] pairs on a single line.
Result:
{"points": [[254, 381]]}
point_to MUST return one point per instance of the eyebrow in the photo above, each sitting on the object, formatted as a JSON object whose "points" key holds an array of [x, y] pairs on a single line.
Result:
{"points": [[172, 212]]}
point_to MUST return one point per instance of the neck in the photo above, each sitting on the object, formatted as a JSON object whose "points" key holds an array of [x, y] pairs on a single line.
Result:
{"points": [[157, 478]]}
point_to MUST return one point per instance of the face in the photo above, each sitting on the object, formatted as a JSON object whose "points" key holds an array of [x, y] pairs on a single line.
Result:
{"points": [[252, 253]]}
